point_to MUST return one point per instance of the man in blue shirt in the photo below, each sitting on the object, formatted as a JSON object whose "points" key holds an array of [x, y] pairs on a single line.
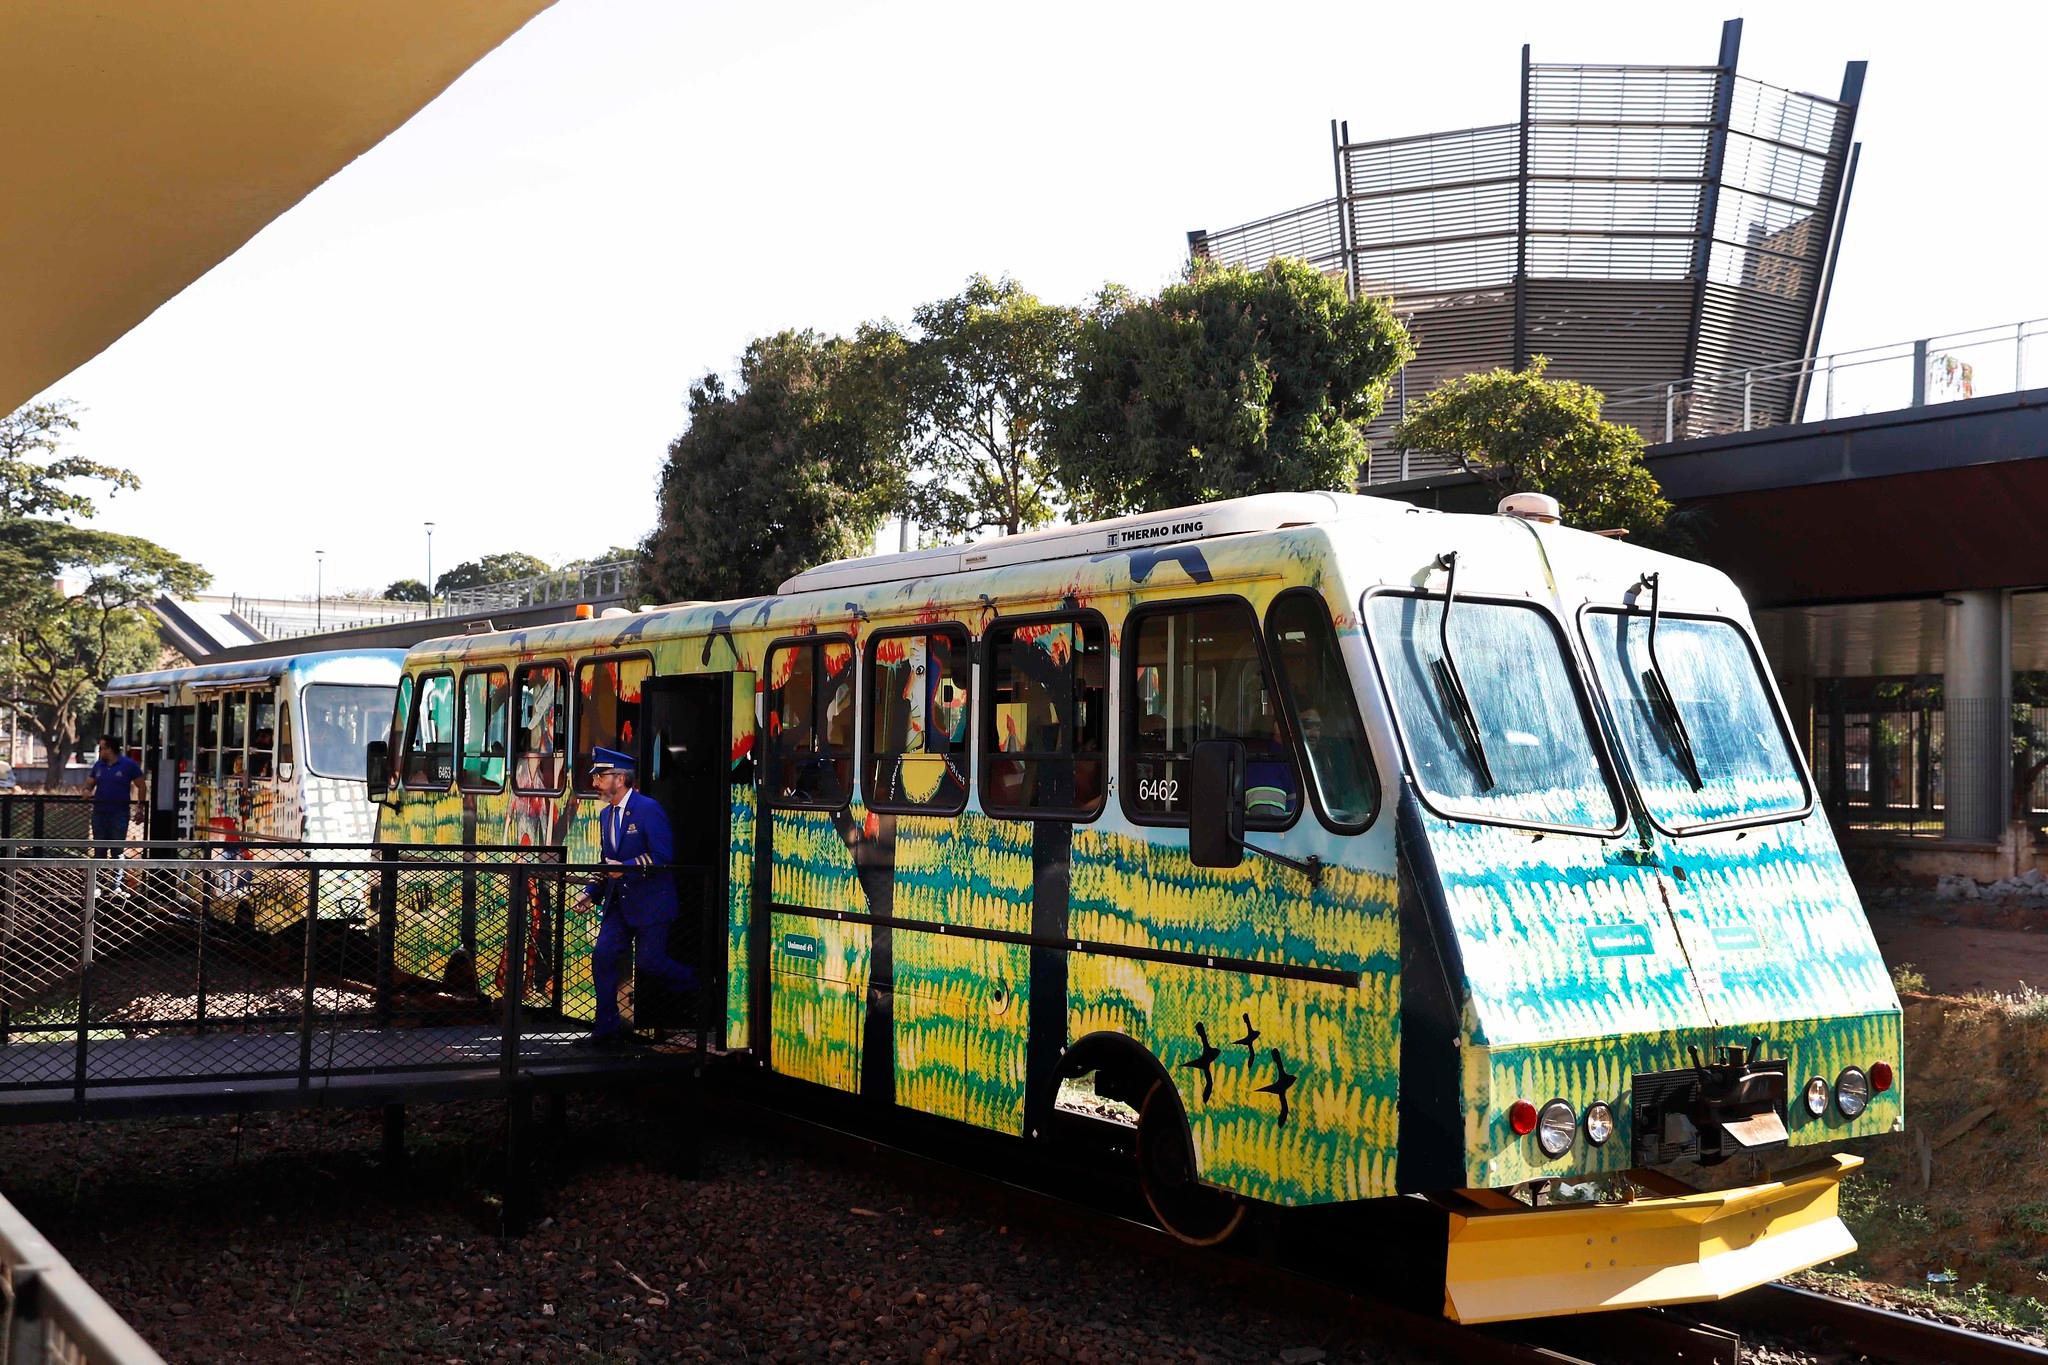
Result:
{"points": [[638, 895], [113, 785]]}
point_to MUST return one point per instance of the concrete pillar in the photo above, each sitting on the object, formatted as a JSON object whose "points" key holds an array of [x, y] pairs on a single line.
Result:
{"points": [[1977, 714]]}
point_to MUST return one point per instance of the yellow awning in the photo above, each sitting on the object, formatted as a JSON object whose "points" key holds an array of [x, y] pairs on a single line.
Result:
{"points": [[145, 141]]}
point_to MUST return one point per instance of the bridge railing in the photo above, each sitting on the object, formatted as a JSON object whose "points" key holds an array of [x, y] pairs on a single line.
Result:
{"points": [[295, 963], [49, 1315], [1901, 374]]}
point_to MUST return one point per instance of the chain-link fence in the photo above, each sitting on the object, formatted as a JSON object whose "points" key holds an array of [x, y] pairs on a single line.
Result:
{"points": [[267, 962]]}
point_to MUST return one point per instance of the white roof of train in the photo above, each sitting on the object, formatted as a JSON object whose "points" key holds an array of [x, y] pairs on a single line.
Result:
{"points": [[1235, 516]]}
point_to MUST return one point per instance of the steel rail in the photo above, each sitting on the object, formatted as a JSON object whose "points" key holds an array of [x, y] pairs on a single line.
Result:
{"points": [[1886, 1334]]}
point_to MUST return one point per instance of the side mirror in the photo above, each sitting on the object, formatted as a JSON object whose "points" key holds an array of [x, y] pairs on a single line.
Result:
{"points": [[377, 769], [1216, 804]]}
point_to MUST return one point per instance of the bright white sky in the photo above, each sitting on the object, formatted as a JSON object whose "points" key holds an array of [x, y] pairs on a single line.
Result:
{"points": [[490, 321]]}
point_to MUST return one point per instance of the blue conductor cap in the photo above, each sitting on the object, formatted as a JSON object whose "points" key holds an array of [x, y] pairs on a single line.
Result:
{"points": [[610, 761]]}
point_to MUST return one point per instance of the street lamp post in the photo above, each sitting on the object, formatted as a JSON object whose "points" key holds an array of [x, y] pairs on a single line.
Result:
{"points": [[319, 589], [430, 568]]}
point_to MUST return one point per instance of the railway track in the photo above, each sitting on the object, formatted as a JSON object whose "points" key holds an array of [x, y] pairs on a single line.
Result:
{"points": [[1097, 1206]]}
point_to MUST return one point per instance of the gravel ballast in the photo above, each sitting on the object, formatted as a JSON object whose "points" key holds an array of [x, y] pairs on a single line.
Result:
{"points": [[276, 1237]]}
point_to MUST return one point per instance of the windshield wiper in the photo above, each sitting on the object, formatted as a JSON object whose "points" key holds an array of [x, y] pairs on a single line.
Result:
{"points": [[1445, 671], [1661, 699]]}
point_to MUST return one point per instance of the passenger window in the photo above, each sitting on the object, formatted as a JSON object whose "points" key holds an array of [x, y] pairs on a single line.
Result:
{"points": [[430, 744], [482, 763], [1193, 673], [917, 721], [608, 709], [209, 737], [401, 713], [262, 732], [542, 738], [234, 735], [1325, 710], [810, 713], [1042, 726], [284, 737]]}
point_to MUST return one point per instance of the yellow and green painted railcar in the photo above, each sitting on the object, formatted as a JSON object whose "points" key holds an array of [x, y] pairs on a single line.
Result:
{"points": [[1537, 890]]}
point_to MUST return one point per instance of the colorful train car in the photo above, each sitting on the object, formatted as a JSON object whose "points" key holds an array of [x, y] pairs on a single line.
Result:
{"points": [[266, 750], [1537, 890]]}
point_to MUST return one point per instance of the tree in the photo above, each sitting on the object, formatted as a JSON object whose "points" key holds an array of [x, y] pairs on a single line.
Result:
{"points": [[981, 382], [796, 465], [405, 590], [507, 567], [34, 479], [1231, 382], [1526, 433], [73, 600]]}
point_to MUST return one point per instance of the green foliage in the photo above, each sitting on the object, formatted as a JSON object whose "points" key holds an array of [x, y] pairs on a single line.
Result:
{"points": [[1907, 980], [980, 381], [507, 567], [1231, 382], [35, 481], [1528, 433], [795, 466], [405, 590], [73, 600]]}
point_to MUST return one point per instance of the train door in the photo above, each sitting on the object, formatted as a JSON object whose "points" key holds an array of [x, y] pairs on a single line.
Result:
{"points": [[160, 765], [688, 746]]}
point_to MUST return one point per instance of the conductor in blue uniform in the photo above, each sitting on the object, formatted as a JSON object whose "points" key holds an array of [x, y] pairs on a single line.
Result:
{"points": [[637, 894]]}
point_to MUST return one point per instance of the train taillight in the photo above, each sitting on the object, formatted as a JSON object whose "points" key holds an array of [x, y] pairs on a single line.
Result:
{"points": [[1522, 1118], [1880, 1076]]}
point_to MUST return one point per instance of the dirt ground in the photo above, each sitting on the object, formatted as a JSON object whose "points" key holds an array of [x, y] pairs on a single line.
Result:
{"points": [[1965, 947], [1963, 1192]]}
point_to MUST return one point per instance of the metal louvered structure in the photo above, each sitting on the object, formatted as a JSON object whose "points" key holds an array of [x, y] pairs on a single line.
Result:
{"points": [[1638, 226]]}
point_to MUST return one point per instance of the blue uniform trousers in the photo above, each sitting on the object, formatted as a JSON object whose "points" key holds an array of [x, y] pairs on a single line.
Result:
{"points": [[615, 948]]}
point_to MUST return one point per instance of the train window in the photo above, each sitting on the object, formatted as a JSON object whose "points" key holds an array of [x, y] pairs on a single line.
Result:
{"points": [[209, 736], [1043, 720], [916, 757], [810, 712], [482, 763], [401, 712], [262, 732], [1193, 673], [284, 738], [430, 743], [607, 709], [1519, 750], [1739, 743], [541, 737], [234, 734], [1343, 782], [340, 720]]}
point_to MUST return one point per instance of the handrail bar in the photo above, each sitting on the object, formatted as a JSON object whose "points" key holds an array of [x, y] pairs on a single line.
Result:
{"points": [[53, 1307]]}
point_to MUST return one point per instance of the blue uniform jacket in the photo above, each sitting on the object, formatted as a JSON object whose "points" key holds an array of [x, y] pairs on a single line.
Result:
{"points": [[635, 832]]}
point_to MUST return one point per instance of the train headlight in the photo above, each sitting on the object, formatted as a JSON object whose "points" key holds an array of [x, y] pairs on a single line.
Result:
{"points": [[1599, 1123], [1852, 1092], [1818, 1096], [1556, 1127]]}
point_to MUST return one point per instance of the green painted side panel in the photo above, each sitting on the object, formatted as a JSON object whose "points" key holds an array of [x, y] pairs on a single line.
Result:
{"points": [[962, 1004]]}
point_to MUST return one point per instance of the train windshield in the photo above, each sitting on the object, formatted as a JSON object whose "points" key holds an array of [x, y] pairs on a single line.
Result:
{"points": [[1744, 761], [340, 720], [1515, 746]]}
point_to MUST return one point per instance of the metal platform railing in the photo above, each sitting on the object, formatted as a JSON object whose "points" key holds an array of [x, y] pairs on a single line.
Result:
{"points": [[211, 963], [49, 1315]]}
